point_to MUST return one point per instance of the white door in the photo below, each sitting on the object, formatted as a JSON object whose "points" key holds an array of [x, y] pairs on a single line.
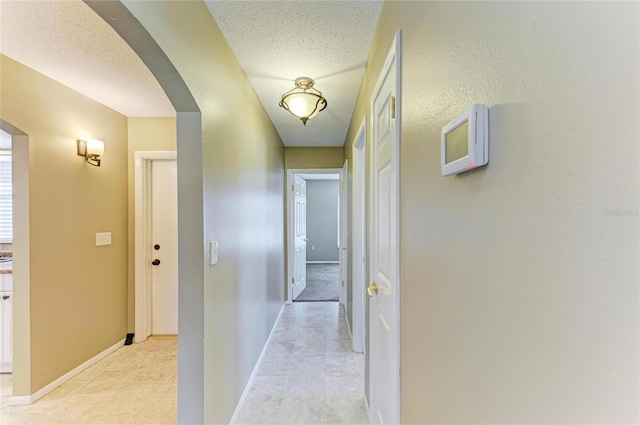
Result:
{"points": [[343, 223], [300, 237], [384, 358], [164, 249]]}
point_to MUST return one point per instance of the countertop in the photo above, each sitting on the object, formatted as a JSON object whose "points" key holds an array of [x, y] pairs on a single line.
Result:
{"points": [[6, 268]]}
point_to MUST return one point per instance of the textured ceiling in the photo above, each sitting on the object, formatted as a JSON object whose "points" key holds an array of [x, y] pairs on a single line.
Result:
{"points": [[278, 41], [274, 41], [68, 42]]}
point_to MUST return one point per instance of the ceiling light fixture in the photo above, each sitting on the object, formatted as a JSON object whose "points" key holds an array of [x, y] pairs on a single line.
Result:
{"points": [[303, 101]]}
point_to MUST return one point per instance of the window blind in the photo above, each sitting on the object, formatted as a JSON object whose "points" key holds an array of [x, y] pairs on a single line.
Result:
{"points": [[6, 201]]}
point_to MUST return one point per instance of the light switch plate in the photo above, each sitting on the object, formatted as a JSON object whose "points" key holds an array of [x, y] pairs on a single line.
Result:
{"points": [[213, 252], [103, 239]]}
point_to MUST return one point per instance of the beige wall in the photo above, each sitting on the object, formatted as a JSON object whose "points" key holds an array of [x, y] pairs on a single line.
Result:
{"points": [[78, 292], [519, 285], [144, 134], [315, 157], [243, 178]]}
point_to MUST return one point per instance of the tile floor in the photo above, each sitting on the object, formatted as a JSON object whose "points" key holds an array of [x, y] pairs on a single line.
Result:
{"points": [[309, 375], [323, 283], [134, 385]]}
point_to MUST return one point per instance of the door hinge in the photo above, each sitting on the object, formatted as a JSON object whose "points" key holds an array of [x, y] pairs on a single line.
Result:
{"points": [[342, 186], [343, 283], [293, 280], [293, 188], [393, 106]]}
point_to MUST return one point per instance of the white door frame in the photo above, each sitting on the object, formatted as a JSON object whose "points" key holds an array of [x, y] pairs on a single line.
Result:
{"points": [[394, 56], [21, 169], [142, 261], [343, 224], [290, 213], [359, 236]]}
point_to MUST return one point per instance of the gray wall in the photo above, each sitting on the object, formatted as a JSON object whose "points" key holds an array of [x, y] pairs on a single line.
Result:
{"points": [[232, 192], [322, 220], [519, 280]]}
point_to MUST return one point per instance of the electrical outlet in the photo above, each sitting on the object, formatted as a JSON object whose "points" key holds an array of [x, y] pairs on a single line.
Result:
{"points": [[103, 239]]}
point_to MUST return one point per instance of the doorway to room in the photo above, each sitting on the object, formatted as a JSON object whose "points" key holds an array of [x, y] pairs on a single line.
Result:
{"points": [[156, 255], [15, 286], [6, 255], [314, 223], [322, 250]]}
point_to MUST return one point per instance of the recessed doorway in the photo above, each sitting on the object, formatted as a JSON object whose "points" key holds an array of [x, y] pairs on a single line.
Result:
{"points": [[314, 235], [156, 256]]}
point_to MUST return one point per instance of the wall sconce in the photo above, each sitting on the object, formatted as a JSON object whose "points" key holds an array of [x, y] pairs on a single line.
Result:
{"points": [[303, 101], [92, 150]]}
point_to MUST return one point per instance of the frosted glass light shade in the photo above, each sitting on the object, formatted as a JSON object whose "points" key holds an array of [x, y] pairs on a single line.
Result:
{"points": [[95, 147], [303, 102]]}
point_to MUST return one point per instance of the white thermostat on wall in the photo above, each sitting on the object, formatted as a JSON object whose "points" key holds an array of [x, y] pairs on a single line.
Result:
{"points": [[465, 141]]}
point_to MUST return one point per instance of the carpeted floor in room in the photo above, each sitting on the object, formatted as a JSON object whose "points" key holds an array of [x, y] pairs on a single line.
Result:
{"points": [[323, 283]]}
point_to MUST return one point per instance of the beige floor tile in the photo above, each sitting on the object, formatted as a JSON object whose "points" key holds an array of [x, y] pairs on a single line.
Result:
{"points": [[129, 399], [153, 374], [158, 410], [64, 390], [106, 418], [322, 379], [100, 387], [115, 375], [107, 393], [167, 389]]}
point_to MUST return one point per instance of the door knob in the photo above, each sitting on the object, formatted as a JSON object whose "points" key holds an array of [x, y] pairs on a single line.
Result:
{"points": [[155, 262], [373, 288], [5, 297]]}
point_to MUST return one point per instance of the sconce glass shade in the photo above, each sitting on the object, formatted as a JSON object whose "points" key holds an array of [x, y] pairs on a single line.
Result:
{"points": [[95, 147], [92, 150], [304, 102]]}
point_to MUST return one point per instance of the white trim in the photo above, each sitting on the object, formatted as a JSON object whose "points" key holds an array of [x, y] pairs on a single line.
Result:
{"points": [[323, 262], [142, 162], [291, 173], [367, 409], [346, 319], [29, 399], [359, 235], [247, 387], [343, 225]]}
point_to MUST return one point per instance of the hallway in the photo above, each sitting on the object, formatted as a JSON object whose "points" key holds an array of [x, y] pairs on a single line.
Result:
{"points": [[309, 374]]}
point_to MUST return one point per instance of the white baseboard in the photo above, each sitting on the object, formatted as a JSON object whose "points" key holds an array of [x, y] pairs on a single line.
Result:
{"points": [[29, 399], [323, 262], [247, 387], [366, 407]]}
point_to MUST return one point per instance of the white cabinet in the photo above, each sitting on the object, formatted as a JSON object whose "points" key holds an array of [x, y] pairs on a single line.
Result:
{"points": [[6, 322], [6, 282]]}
